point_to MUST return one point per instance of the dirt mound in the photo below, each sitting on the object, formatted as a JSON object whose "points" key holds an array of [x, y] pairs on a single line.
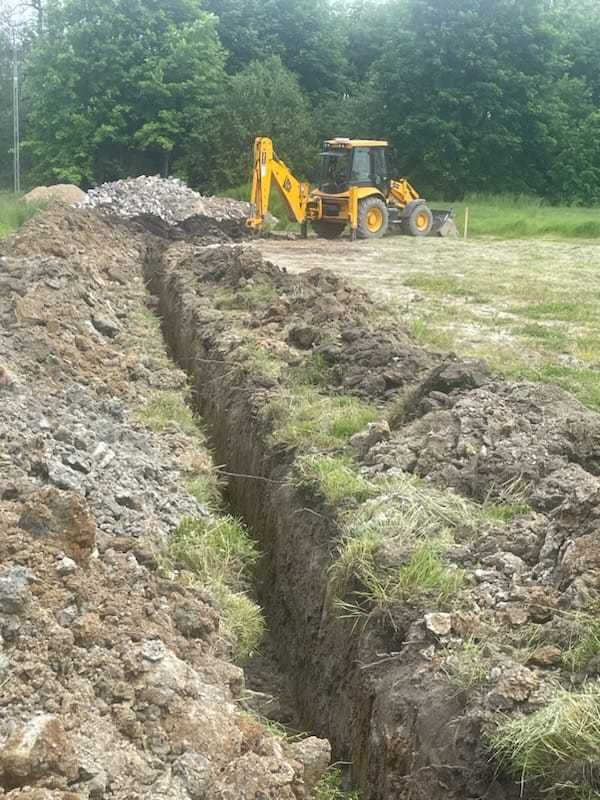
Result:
{"points": [[115, 678], [320, 323], [65, 193]]}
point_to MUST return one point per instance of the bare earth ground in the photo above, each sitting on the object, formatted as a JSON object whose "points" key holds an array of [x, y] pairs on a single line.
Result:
{"points": [[529, 307]]}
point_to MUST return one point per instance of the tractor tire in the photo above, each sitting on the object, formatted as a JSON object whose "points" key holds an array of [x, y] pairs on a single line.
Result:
{"points": [[419, 221], [328, 230], [373, 218]]}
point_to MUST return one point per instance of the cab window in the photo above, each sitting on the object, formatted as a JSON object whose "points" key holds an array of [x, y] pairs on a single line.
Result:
{"points": [[361, 166], [379, 167]]}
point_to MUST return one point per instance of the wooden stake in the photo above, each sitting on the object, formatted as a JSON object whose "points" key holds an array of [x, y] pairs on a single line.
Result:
{"points": [[466, 232]]}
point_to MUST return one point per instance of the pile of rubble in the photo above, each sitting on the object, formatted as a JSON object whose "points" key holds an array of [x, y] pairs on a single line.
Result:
{"points": [[115, 678], [167, 198]]}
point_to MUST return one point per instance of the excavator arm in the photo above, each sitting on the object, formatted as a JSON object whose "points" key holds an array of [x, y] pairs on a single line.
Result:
{"points": [[402, 193], [269, 170]]}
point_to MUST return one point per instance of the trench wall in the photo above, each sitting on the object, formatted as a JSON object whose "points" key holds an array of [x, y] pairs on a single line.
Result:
{"points": [[403, 742]]}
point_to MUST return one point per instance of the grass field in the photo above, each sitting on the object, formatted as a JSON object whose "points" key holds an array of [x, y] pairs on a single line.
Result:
{"points": [[530, 307], [521, 217], [505, 217], [14, 211]]}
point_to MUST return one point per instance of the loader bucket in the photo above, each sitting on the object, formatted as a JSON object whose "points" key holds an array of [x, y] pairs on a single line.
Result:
{"points": [[443, 222]]}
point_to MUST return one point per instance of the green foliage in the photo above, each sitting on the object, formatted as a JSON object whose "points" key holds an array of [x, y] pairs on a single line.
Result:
{"points": [[473, 65], [119, 88], [306, 35], [265, 99], [505, 512], [424, 575], [124, 86], [243, 621], [14, 212], [306, 418], [330, 787], [166, 409], [218, 553], [585, 642], [335, 477], [467, 667], [561, 739], [216, 550], [204, 488], [250, 298]]}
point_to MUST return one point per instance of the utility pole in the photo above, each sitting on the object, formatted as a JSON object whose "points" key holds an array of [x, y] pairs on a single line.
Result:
{"points": [[16, 111]]}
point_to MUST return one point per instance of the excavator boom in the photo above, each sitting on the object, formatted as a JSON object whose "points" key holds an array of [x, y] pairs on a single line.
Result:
{"points": [[268, 170]]}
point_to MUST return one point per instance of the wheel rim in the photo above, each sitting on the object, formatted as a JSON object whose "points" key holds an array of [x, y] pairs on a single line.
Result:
{"points": [[374, 219], [422, 221]]}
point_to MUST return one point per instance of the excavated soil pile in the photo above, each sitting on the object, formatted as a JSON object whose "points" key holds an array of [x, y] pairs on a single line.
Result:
{"points": [[314, 321], [477, 514], [115, 681]]}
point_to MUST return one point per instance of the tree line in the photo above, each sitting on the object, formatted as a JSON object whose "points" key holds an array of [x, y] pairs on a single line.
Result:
{"points": [[473, 95]]}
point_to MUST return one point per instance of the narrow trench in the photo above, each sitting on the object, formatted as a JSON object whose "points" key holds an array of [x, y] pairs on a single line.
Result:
{"points": [[402, 730], [257, 491]]}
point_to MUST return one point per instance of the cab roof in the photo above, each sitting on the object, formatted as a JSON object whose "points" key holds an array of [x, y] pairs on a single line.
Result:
{"points": [[340, 141]]}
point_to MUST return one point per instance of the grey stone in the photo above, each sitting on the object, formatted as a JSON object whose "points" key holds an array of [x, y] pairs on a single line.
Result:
{"points": [[438, 623], [315, 754], [14, 591], [64, 477], [66, 566], [98, 785], [105, 325], [153, 650], [194, 770], [67, 616]]}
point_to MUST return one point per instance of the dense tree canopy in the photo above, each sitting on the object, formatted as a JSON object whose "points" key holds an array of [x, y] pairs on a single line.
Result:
{"points": [[122, 86], [474, 95]]}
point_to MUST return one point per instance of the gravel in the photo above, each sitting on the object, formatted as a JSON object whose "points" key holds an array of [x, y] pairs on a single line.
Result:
{"points": [[167, 198]]}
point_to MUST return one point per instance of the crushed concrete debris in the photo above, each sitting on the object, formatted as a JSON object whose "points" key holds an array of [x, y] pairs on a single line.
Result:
{"points": [[167, 198]]}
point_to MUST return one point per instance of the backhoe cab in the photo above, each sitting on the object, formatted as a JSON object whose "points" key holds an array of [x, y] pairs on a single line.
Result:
{"points": [[354, 189]]}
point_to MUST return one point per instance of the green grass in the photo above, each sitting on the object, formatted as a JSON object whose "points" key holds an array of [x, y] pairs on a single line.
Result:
{"points": [[214, 549], [535, 324], [335, 477], [204, 488], [14, 211], [406, 513], [219, 555], [312, 371], [582, 382], [504, 512], [557, 746], [303, 417], [585, 642], [424, 575], [418, 523], [259, 360], [165, 410], [510, 217], [466, 666], [249, 298], [330, 787], [446, 284]]}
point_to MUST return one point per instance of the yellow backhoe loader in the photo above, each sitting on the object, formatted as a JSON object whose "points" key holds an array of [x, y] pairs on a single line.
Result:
{"points": [[354, 189]]}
